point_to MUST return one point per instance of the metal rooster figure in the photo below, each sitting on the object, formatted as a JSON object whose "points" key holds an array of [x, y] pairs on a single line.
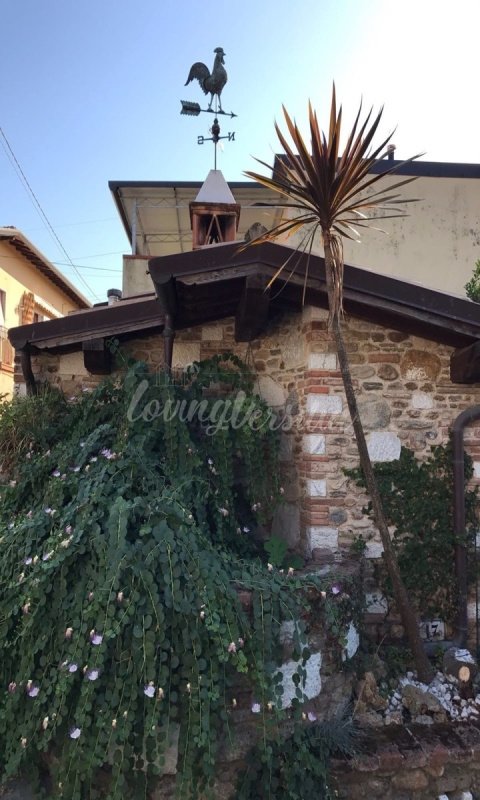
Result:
{"points": [[211, 83]]}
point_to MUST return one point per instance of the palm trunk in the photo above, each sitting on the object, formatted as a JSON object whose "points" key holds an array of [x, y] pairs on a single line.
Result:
{"points": [[408, 616]]}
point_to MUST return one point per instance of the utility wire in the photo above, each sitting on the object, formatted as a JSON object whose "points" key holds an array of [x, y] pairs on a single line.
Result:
{"points": [[20, 173]]}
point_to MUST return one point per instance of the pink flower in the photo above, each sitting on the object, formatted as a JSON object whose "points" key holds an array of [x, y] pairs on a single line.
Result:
{"points": [[68, 529], [32, 690], [75, 733], [28, 560], [149, 689], [92, 674], [312, 717], [72, 667], [241, 642], [232, 647], [12, 687], [255, 708], [56, 473], [336, 588]]}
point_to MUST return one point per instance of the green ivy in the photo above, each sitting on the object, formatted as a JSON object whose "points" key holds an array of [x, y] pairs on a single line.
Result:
{"points": [[418, 503], [127, 540]]}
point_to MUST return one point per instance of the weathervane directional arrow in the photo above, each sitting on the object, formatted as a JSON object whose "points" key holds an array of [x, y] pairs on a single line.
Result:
{"points": [[193, 110]]}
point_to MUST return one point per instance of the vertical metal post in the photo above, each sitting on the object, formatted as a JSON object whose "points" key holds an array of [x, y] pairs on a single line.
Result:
{"points": [[134, 228]]}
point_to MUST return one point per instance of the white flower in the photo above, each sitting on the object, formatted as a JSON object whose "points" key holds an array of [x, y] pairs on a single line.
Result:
{"points": [[26, 608], [234, 703], [28, 560], [32, 689], [13, 484], [68, 529], [23, 742], [255, 708], [246, 529], [75, 469], [270, 567], [75, 733], [290, 571], [282, 490], [68, 633], [47, 556], [210, 462], [72, 667], [96, 638], [93, 459], [45, 723], [56, 473], [202, 614], [21, 577], [114, 723], [149, 689], [93, 674], [224, 512], [35, 559], [120, 597], [232, 647], [66, 542], [189, 688], [312, 717], [160, 693]]}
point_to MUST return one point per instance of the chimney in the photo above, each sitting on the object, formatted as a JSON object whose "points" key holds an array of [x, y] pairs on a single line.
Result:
{"points": [[214, 214], [391, 152], [113, 296]]}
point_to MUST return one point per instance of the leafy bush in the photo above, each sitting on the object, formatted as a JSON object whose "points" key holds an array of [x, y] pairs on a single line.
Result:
{"points": [[127, 537], [472, 287], [418, 503]]}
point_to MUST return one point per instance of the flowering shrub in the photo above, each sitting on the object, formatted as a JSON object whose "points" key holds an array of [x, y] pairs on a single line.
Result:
{"points": [[125, 544]]}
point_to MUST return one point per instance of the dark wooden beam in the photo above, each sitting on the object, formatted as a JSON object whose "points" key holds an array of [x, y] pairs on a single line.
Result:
{"points": [[252, 310], [97, 356], [465, 364]]}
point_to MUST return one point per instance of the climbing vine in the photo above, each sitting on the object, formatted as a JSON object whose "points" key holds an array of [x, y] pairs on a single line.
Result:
{"points": [[131, 525], [418, 502]]}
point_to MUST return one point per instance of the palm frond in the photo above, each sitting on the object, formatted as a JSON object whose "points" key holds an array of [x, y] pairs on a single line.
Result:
{"points": [[337, 193]]}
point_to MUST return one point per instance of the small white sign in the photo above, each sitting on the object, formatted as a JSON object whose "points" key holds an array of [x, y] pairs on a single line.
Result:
{"points": [[432, 630]]}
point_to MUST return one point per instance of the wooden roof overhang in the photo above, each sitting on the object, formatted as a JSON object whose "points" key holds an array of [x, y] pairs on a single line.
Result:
{"points": [[230, 280], [227, 280]]}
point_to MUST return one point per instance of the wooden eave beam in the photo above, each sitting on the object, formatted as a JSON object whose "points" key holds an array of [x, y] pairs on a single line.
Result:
{"points": [[252, 311]]}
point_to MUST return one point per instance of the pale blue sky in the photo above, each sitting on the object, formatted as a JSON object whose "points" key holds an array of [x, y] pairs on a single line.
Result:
{"points": [[90, 92]]}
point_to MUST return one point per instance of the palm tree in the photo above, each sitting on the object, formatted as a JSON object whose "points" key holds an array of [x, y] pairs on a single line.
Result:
{"points": [[335, 194]]}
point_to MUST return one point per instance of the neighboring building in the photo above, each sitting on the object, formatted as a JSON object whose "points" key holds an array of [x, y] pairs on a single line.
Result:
{"points": [[436, 244], [31, 290]]}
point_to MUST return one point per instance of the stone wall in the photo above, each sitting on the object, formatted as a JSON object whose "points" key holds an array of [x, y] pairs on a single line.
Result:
{"points": [[438, 763], [405, 398]]}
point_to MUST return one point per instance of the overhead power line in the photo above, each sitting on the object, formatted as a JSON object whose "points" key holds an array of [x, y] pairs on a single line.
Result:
{"points": [[24, 180]]}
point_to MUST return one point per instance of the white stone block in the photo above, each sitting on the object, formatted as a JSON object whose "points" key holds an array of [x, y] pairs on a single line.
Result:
{"points": [[323, 537], [476, 469], [422, 400], [472, 610], [376, 603], [324, 404], [353, 643], [374, 550], [314, 443], [185, 353], [316, 487], [271, 391], [322, 361], [313, 680], [384, 446], [212, 333]]}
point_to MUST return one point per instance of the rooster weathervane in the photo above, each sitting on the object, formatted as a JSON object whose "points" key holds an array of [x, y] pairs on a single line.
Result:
{"points": [[211, 83]]}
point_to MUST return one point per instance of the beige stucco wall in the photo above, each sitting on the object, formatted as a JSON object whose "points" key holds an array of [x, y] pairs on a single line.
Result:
{"points": [[17, 275], [436, 245]]}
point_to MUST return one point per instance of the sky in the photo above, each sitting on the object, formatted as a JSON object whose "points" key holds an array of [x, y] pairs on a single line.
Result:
{"points": [[90, 92]]}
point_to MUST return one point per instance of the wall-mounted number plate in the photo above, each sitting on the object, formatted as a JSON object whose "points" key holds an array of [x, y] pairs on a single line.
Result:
{"points": [[432, 630]]}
